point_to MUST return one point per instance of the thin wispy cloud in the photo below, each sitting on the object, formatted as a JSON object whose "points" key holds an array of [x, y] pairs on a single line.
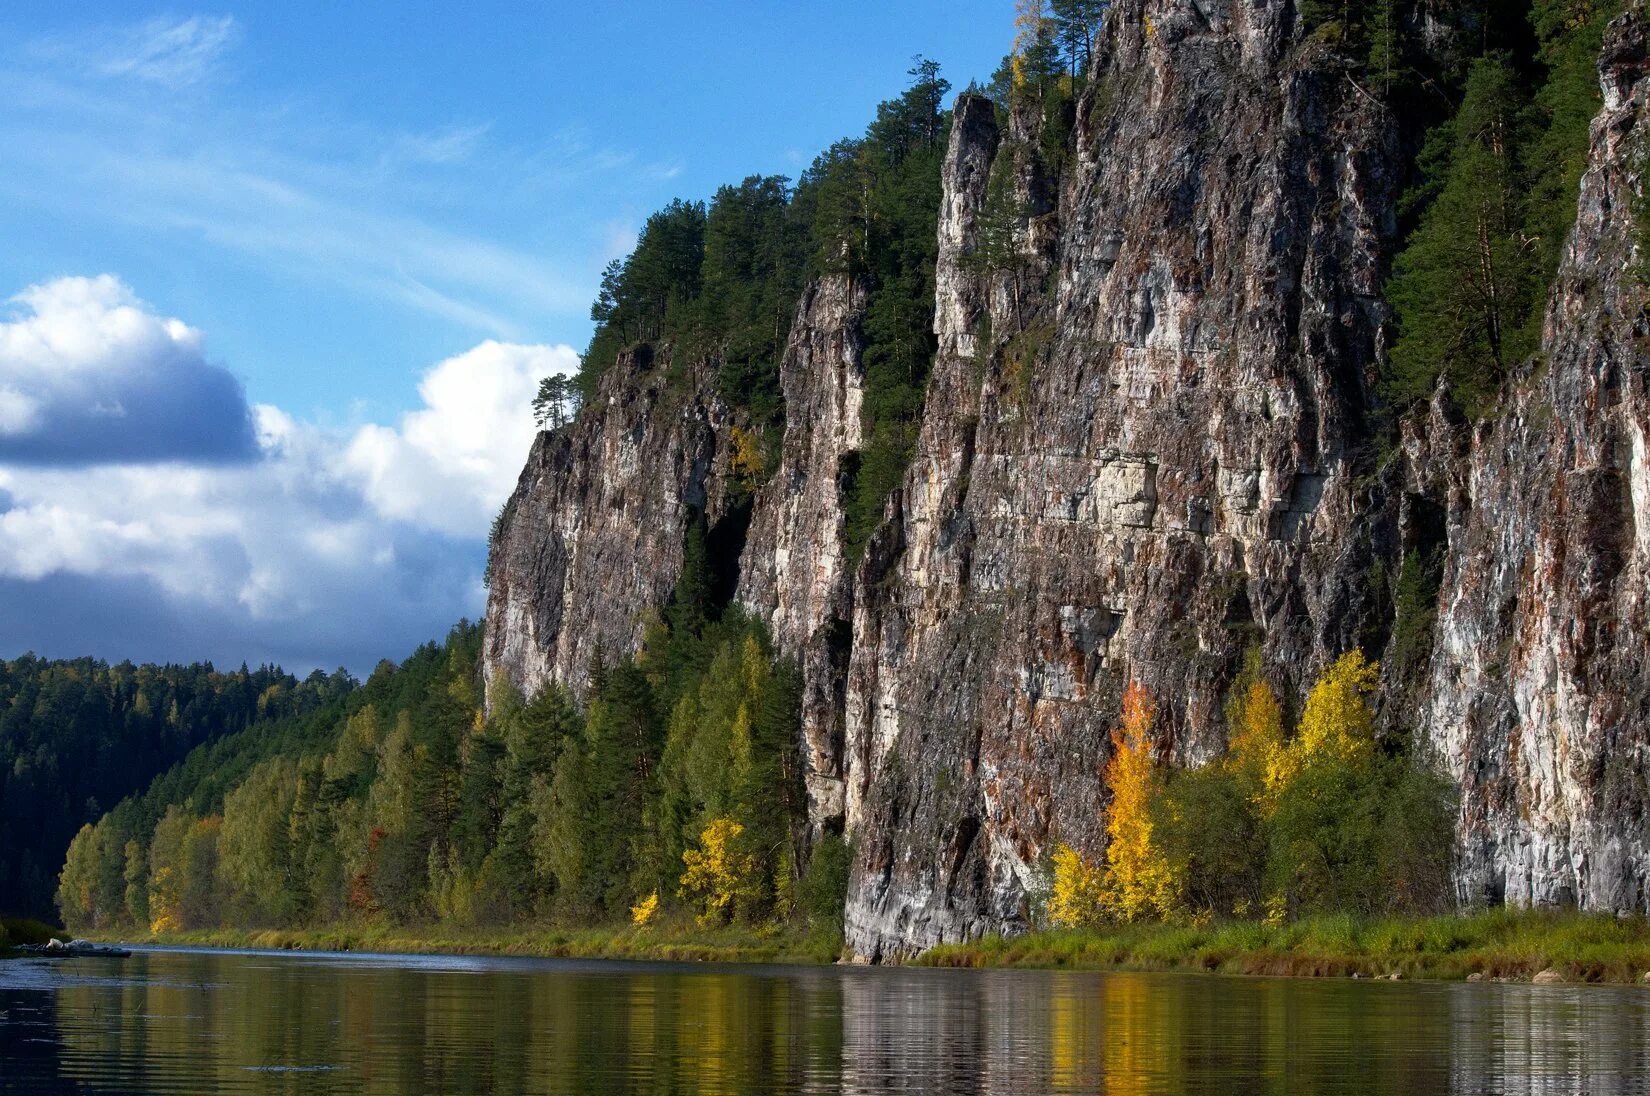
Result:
{"points": [[171, 53], [445, 146], [315, 219]]}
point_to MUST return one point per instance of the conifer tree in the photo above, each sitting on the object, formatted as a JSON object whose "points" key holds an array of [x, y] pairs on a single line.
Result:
{"points": [[1464, 287]]}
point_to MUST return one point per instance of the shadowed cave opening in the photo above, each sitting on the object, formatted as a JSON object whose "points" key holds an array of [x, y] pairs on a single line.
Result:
{"points": [[724, 548]]}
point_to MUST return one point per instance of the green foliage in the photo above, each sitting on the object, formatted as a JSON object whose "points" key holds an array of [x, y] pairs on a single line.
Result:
{"points": [[1464, 287], [76, 736], [824, 887], [1208, 825], [1415, 601], [1365, 837], [400, 803], [557, 402], [1495, 198]]}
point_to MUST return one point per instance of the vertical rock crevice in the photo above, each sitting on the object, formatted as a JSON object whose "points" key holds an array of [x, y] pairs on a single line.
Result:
{"points": [[1538, 690]]}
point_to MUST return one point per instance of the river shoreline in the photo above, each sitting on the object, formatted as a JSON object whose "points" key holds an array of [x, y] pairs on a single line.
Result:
{"points": [[1499, 945]]}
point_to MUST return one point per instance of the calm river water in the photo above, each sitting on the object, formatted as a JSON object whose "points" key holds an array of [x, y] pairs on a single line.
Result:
{"points": [[216, 1021]]}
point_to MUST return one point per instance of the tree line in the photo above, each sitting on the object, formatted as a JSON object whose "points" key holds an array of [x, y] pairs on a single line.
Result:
{"points": [[78, 735], [674, 787]]}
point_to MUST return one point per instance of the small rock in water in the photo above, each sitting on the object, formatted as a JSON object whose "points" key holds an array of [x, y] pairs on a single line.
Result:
{"points": [[1476, 976], [1360, 974], [1548, 977], [1645, 977], [1395, 976]]}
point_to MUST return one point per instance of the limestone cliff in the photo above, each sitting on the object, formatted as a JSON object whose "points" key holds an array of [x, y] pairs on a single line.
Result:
{"points": [[794, 574], [1159, 470], [591, 542], [1539, 685], [1147, 445]]}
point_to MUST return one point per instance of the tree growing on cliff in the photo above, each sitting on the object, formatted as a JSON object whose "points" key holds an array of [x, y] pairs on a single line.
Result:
{"points": [[557, 402], [1463, 288], [1076, 22]]}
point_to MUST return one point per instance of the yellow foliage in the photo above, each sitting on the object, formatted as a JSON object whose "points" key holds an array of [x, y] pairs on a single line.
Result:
{"points": [[719, 872], [1139, 880], [163, 902], [747, 462], [1076, 898], [1338, 723], [642, 912], [1029, 18], [1257, 745]]}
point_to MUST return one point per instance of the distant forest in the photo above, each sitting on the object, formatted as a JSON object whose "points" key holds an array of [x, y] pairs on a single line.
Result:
{"points": [[78, 736]]}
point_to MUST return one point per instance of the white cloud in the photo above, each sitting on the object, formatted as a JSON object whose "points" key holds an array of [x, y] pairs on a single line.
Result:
{"points": [[372, 538], [173, 53], [170, 52], [87, 373], [451, 465]]}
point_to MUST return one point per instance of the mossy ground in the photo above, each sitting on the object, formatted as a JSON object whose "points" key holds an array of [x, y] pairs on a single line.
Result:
{"points": [[1504, 943]]}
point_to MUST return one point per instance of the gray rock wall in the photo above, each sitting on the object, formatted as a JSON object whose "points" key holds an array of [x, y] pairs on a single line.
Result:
{"points": [[1146, 447]]}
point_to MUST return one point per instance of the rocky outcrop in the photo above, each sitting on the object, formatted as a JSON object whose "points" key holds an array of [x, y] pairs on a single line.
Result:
{"points": [[794, 574], [1151, 471], [591, 542], [1146, 448], [1539, 685]]}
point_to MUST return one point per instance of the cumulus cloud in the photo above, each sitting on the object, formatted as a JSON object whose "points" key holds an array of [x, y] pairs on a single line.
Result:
{"points": [[89, 374], [325, 547], [451, 465]]}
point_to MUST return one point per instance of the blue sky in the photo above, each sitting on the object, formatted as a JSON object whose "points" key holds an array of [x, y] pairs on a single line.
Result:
{"points": [[281, 275]]}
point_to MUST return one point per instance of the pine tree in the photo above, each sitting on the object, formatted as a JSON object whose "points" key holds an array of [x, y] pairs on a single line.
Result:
{"points": [[1463, 288]]}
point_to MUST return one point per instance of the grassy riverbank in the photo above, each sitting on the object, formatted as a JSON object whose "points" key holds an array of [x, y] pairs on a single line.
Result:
{"points": [[1511, 945], [1498, 944], [685, 942]]}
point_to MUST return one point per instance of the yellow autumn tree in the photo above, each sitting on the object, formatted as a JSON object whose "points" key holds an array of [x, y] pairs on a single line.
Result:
{"points": [[643, 912], [748, 462], [1030, 16], [1338, 723], [1139, 880], [1257, 747], [1075, 900], [720, 872], [163, 902]]}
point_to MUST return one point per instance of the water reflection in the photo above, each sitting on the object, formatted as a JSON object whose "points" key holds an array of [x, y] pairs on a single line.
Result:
{"points": [[215, 1021]]}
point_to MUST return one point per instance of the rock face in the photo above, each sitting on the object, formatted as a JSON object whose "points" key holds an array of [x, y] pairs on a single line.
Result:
{"points": [[794, 574], [591, 542], [1539, 691], [1149, 469], [1146, 448]]}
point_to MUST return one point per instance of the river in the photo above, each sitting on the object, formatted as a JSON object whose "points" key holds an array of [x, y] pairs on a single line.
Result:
{"points": [[242, 1021]]}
